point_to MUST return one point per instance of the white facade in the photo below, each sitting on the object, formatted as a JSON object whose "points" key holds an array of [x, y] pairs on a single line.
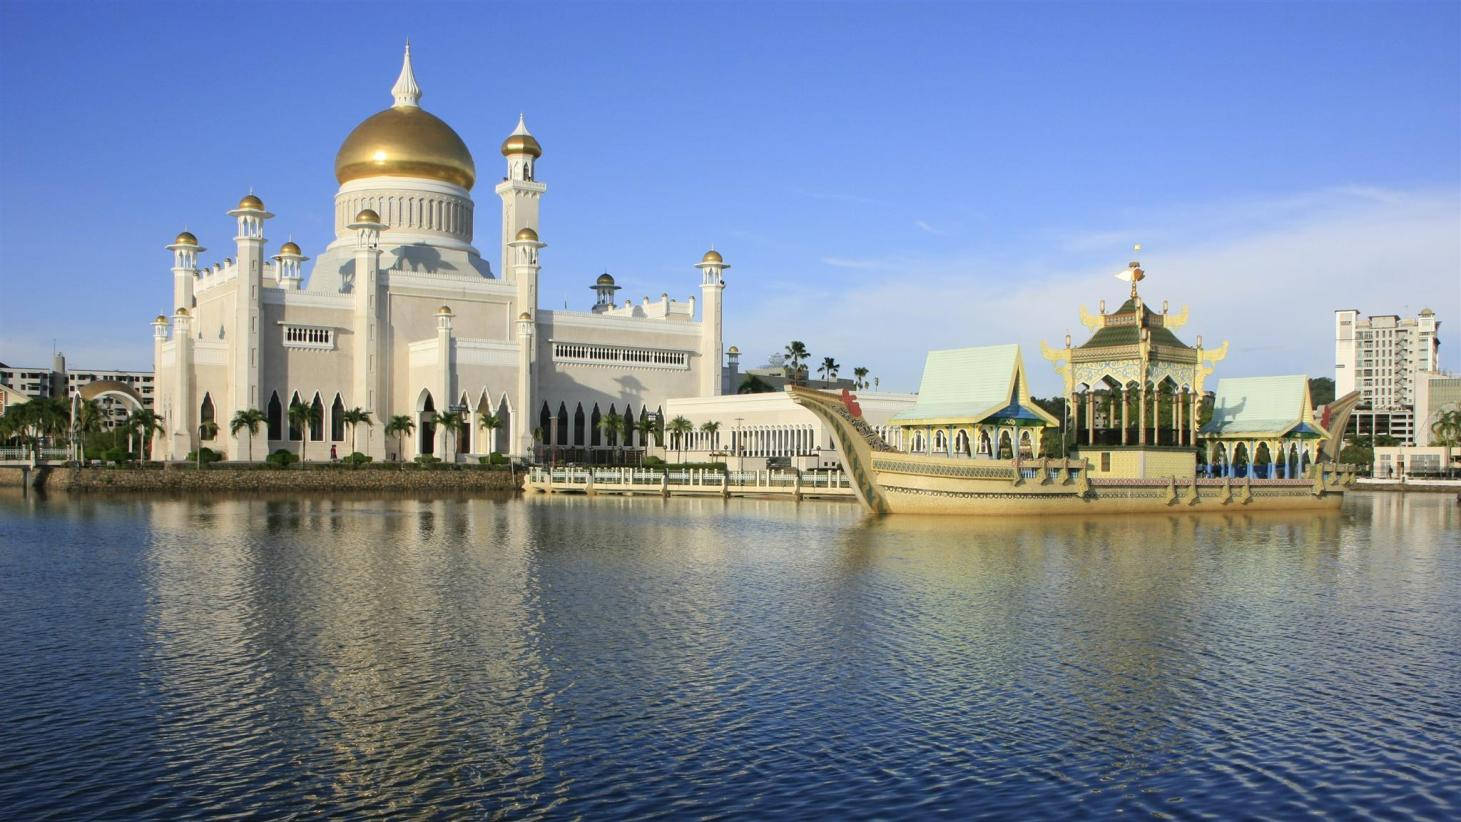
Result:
{"points": [[401, 315], [1382, 357], [753, 429]]}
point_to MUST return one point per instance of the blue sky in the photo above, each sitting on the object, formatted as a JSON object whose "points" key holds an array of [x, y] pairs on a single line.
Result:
{"points": [[883, 178]]}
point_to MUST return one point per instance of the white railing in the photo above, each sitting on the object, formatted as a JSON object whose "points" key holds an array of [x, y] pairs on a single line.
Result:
{"points": [[681, 478], [620, 355]]}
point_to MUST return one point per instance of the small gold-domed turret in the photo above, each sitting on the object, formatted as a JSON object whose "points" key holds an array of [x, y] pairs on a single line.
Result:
{"points": [[527, 234], [525, 316], [444, 311], [521, 141], [712, 256], [289, 248], [161, 320], [733, 350], [185, 238], [604, 279], [181, 312], [367, 215], [251, 202]]}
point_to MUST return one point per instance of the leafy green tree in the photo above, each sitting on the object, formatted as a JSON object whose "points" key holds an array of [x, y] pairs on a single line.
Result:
{"points": [[828, 369], [490, 423], [452, 421], [353, 417], [796, 354], [609, 426], [1321, 390], [247, 419], [678, 428], [859, 376], [145, 423], [709, 428], [753, 384], [207, 430], [302, 416], [647, 426], [400, 427]]}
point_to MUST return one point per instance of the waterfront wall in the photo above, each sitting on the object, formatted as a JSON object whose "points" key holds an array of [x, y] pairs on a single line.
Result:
{"points": [[225, 479]]}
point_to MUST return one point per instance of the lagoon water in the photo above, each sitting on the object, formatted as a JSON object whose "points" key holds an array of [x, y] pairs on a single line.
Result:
{"points": [[554, 657]]}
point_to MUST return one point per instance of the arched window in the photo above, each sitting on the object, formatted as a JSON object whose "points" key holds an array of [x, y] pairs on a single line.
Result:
{"points": [[594, 434], [545, 423], [562, 423], [317, 420], [337, 420], [579, 437], [205, 416], [275, 417], [294, 433], [428, 424], [503, 434]]}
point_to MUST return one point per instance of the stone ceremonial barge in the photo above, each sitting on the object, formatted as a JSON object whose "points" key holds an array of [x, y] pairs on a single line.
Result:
{"points": [[970, 440]]}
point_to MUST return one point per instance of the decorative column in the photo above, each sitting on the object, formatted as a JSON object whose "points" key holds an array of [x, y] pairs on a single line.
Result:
{"points": [[160, 390], [1156, 414], [368, 390], [1141, 413], [182, 428], [712, 286], [443, 387], [1090, 417], [521, 436], [1125, 401], [247, 309]]}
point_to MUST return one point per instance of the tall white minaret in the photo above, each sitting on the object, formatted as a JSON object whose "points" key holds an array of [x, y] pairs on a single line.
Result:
{"points": [[521, 192], [523, 254], [367, 387], [243, 336], [712, 284], [185, 251], [180, 421]]}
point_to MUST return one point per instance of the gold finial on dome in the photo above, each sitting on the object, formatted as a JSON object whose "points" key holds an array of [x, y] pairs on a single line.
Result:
{"points": [[185, 238], [250, 202], [521, 141], [526, 234]]}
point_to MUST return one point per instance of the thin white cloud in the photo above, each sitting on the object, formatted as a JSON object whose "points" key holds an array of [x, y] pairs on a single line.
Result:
{"points": [[850, 262], [928, 228], [1265, 274]]}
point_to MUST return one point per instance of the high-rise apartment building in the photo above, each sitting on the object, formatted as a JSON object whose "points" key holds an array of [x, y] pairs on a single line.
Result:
{"points": [[1381, 356]]}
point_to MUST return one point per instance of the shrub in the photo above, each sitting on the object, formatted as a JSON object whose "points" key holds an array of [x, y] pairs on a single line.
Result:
{"points": [[281, 459], [493, 458], [356, 460], [428, 461], [653, 462], [117, 455], [208, 456]]}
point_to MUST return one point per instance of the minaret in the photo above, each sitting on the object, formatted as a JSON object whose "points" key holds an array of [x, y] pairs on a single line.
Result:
{"points": [[243, 335], [185, 250], [181, 420], [442, 387], [522, 259], [368, 389], [522, 415], [287, 266], [160, 377], [604, 289], [712, 284], [520, 191]]}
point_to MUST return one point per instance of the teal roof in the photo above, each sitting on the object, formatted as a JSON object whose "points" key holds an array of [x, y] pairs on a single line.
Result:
{"points": [[1270, 406], [1113, 335], [968, 384]]}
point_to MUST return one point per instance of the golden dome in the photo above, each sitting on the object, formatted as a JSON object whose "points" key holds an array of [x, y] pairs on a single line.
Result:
{"points": [[185, 238], [733, 350], [405, 141], [604, 279], [289, 248], [181, 312], [712, 256], [525, 316], [444, 311], [521, 144], [367, 215], [526, 234], [161, 320], [250, 201]]}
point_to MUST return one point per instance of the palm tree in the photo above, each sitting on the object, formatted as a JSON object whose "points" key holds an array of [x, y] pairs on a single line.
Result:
{"points": [[679, 427], [708, 428], [645, 425], [90, 417], [301, 416], [829, 368], [452, 421], [609, 426], [399, 427], [247, 419], [796, 352], [353, 417], [145, 423], [207, 430], [860, 376], [1447, 431], [490, 423]]}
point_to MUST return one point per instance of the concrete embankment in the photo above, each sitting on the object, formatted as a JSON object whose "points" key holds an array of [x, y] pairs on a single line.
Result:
{"points": [[251, 480]]}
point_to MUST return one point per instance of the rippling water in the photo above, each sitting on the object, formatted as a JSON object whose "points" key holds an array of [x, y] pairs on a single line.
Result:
{"points": [[563, 656]]}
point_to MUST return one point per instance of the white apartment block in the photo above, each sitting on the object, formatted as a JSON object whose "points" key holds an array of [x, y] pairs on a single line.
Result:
{"points": [[1382, 356], [58, 381]]}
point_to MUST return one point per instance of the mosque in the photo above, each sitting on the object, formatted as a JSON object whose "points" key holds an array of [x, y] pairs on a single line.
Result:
{"points": [[401, 315]]}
